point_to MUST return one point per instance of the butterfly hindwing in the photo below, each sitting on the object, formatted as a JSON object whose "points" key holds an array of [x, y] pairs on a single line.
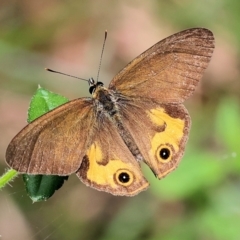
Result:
{"points": [[159, 131], [109, 165]]}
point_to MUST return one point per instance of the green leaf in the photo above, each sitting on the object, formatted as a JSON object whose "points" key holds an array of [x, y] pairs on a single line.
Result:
{"points": [[42, 187], [42, 102]]}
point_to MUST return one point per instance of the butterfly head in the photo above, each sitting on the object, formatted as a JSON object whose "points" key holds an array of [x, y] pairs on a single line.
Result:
{"points": [[93, 85]]}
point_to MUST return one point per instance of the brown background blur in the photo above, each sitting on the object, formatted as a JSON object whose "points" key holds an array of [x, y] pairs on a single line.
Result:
{"points": [[201, 199]]}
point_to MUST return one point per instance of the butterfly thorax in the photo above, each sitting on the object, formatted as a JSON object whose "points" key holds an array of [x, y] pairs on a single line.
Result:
{"points": [[105, 101]]}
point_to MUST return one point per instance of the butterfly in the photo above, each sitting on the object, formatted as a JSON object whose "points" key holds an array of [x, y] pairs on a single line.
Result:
{"points": [[139, 118]]}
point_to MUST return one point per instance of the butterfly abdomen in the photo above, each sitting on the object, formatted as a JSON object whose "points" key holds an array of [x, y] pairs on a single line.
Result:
{"points": [[127, 138]]}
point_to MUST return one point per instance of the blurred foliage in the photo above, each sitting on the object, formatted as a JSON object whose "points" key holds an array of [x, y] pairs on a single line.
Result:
{"points": [[199, 200]]}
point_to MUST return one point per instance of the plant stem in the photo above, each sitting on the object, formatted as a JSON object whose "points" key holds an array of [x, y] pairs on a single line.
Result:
{"points": [[7, 177]]}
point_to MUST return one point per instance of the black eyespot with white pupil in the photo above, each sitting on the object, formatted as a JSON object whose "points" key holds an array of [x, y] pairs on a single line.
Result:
{"points": [[164, 153], [124, 177]]}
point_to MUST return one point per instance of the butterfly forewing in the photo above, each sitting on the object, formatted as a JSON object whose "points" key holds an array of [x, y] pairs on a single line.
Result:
{"points": [[170, 70], [56, 142]]}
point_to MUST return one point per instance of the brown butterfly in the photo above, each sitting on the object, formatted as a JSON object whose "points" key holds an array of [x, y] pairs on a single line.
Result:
{"points": [[139, 118]]}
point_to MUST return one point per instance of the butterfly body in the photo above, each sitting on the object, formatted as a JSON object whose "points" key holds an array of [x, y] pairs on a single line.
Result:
{"points": [[139, 118], [109, 103]]}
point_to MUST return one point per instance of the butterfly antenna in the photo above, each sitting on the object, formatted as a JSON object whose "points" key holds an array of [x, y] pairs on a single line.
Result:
{"points": [[104, 41], [50, 70]]}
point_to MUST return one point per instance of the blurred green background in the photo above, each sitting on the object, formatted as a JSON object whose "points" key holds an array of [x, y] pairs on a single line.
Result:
{"points": [[201, 199]]}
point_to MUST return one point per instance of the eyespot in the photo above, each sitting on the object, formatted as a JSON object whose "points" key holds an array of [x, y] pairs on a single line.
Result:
{"points": [[123, 177], [164, 153]]}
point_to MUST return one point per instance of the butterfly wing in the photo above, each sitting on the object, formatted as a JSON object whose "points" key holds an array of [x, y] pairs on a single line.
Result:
{"points": [[109, 165], [159, 131], [170, 70], [54, 143], [71, 138]]}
